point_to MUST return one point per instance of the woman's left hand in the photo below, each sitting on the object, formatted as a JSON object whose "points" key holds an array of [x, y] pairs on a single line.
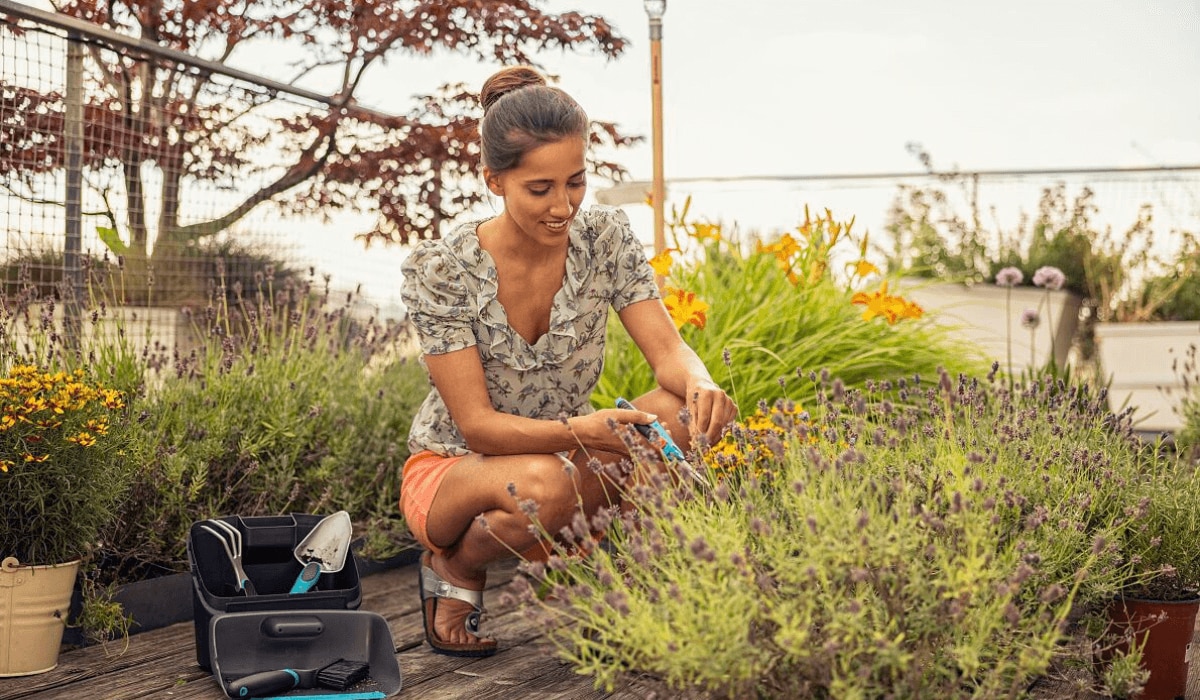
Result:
{"points": [[710, 408]]}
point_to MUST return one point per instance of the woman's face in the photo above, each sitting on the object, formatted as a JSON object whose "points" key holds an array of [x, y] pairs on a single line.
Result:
{"points": [[543, 193]]}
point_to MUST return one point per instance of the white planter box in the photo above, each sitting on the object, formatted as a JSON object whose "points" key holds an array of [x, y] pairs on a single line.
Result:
{"points": [[143, 326], [983, 315], [1140, 361]]}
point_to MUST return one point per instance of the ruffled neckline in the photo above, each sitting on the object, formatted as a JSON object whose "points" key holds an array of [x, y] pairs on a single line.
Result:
{"points": [[561, 339]]}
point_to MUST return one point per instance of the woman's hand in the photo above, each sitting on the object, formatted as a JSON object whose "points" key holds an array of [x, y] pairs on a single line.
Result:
{"points": [[710, 408], [595, 430]]}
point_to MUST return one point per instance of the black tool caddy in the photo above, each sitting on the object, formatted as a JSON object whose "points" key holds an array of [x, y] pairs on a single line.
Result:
{"points": [[253, 642], [241, 632]]}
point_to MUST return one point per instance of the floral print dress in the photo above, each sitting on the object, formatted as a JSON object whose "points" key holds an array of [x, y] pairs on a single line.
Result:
{"points": [[450, 290]]}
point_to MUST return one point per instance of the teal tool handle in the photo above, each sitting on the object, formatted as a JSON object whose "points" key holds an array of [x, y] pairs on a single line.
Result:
{"points": [[259, 684], [307, 578], [655, 433]]}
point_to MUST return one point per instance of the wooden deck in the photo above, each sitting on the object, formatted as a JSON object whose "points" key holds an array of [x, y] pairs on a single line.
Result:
{"points": [[162, 663]]}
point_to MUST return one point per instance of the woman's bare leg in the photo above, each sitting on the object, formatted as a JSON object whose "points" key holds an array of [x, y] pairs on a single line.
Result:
{"points": [[477, 520]]}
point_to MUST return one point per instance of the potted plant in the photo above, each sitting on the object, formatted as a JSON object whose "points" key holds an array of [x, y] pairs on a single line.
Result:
{"points": [[1156, 611], [957, 265], [62, 475], [1147, 315]]}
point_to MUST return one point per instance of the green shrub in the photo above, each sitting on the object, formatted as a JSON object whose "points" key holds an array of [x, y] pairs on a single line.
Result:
{"points": [[777, 309], [289, 405], [911, 539]]}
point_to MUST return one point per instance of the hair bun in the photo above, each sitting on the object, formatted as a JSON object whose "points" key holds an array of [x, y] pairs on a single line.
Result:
{"points": [[508, 80]]}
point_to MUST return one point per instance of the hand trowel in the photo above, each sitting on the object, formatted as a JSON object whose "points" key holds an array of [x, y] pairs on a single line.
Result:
{"points": [[323, 550]]}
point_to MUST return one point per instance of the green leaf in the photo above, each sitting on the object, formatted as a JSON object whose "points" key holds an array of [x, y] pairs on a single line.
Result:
{"points": [[112, 239]]}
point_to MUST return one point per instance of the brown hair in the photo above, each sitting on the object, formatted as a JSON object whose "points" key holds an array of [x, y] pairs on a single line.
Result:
{"points": [[521, 112]]}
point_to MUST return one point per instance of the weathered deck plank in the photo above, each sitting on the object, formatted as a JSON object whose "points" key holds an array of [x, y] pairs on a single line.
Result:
{"points": [[162, 663]]}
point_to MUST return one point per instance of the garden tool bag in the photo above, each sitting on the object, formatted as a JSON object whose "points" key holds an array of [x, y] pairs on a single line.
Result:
{"points": [[298, 653], [264, 548]]}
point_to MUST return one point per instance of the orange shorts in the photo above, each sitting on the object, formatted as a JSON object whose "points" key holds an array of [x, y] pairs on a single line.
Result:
{"points": [[423, 476]]}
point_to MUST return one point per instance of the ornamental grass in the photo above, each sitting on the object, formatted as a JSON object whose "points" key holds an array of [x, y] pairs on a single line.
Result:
{"points": [[806, 298]]}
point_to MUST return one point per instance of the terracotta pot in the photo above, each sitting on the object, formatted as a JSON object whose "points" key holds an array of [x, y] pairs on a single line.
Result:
{"points": [[1166, 629], [34, 601]]}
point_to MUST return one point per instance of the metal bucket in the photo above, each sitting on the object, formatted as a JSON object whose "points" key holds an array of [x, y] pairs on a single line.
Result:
{"points": [[34, 602]]}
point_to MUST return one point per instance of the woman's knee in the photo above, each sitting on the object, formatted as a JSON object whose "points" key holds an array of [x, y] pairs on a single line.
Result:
{"points": [[547, 482]]}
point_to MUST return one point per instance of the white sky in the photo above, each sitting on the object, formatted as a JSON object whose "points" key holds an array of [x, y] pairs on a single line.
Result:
{"points": [[784, 87], [793, 87], [779, 87]]}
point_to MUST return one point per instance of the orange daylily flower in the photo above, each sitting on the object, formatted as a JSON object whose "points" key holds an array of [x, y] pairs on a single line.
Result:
{"points": [[662, 262], [862, 268], [783, 249], [685, 308], [706, 231], [891, 308]]}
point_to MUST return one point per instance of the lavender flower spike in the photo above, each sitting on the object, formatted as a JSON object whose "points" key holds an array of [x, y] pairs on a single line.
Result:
{"points": [[1009, 277], [1049, 277], [1030, 318]]}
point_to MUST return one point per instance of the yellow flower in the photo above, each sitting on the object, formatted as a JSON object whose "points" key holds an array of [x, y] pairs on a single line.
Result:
{"points": [[112, 398], [891, 308], [706, 231], [862, 268], [911, 309], [29, 457], [685, 308], [783, 249], [877, 303], [5, 465], [662, 262], [84, 439], [7, 420]]}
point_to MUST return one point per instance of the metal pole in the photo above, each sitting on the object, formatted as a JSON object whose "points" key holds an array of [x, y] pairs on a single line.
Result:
{"points": [[72, 282], [658, 193]]}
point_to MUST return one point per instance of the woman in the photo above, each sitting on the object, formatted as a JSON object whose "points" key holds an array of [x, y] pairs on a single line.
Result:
{"points": [[511, 314]]}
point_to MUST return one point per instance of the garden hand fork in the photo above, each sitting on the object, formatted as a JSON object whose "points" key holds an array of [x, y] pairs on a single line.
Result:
{"points": [[231, 540]]}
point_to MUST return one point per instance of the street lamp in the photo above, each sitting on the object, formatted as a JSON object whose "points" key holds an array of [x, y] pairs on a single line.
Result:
{"points": [[658, 193]]}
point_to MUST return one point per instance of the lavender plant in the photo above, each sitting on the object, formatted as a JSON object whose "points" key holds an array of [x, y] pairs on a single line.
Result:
{"points": [[290, 404], [903, 539], [1187, 441], [287, 401]]}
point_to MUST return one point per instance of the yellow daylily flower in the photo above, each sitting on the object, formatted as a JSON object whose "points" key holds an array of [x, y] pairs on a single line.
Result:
{"points": [[662, 262], [891, 308], [685, 308], [862, 268], [706, 231]]}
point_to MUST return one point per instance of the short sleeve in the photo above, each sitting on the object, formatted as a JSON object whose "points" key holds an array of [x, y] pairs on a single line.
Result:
{"points": [[436, 296], [633, 278]]}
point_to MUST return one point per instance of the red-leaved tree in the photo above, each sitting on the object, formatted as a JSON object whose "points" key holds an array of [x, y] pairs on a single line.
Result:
{"points": [[153, 128]]}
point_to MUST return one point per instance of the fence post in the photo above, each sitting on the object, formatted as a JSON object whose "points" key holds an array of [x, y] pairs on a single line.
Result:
{"points": [[72, 281]]}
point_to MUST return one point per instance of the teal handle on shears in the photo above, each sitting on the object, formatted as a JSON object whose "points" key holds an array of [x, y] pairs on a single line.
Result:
{"points": [[656, 434]]}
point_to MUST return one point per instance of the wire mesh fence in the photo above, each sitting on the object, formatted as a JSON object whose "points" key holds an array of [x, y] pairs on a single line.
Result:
{"points": [[136, 180], [147, 180], [1004, 201]]}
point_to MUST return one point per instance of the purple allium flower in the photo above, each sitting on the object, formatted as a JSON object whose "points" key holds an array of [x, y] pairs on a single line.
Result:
{"points": [[1030, 318], [1009, 277], [1049, 277]]}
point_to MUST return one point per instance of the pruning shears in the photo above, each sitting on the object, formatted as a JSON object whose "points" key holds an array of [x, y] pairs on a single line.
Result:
{"points": [[658, 436]]}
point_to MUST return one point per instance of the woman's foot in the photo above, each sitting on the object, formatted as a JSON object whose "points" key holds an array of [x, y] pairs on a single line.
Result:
{"points": [[452, 604]]}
